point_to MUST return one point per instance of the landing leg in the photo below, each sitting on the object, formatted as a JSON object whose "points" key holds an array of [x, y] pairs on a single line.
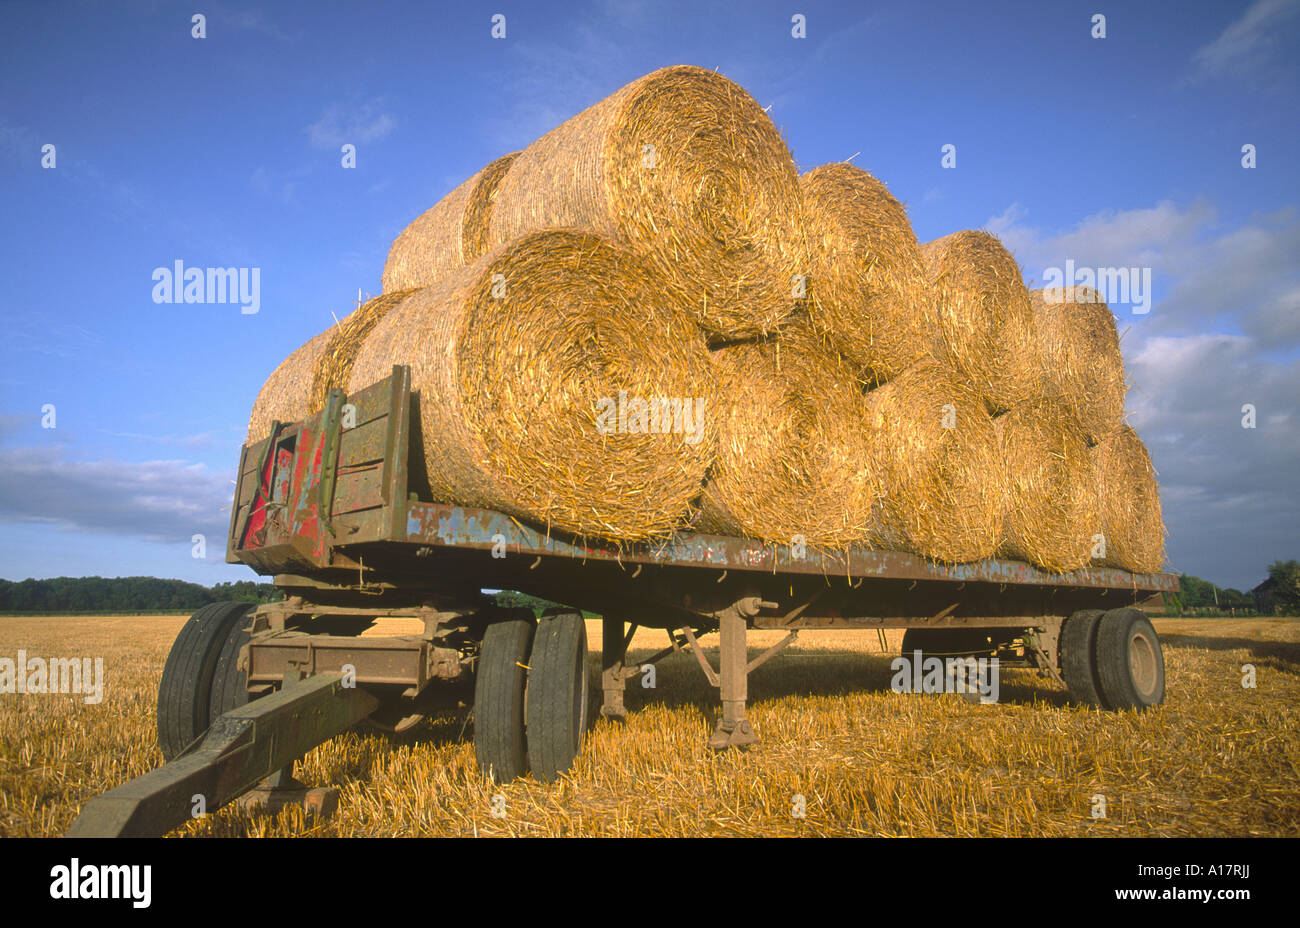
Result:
{"points": [[282, 789], [613, 679], [733, 729]]}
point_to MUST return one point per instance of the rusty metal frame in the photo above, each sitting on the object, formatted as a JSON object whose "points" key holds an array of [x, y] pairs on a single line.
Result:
{"points": [[408, 661], [444, 525]]}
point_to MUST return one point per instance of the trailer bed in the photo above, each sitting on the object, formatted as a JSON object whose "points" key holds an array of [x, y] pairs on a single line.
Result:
{"points": [[337, 509]]}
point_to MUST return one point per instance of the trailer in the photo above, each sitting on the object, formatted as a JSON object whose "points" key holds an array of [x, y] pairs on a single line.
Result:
{"points": [[384, 620]]}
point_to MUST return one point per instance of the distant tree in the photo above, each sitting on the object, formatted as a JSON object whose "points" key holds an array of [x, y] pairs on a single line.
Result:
{"points": [[124, 594], [1195, 592], [1286, 578]]}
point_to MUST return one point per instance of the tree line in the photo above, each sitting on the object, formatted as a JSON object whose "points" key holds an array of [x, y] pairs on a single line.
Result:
{"points": [[57, 595], [1202, 596]]}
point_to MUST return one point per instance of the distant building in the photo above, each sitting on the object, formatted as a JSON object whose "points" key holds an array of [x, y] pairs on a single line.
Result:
{"points": [[1263, 595]]}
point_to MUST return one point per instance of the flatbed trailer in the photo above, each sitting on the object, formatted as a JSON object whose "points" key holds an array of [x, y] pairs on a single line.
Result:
{"points": [[337, 509]]}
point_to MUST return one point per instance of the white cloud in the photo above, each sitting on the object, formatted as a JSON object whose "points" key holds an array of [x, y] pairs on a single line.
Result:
{"points": [[1224, 333], [247, 20], [354, 123], [1242, 278], [1244, 47], [164, 501]]}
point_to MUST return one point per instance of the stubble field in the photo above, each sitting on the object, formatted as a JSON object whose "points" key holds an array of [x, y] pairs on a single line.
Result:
{"points": [[1218, 759]]}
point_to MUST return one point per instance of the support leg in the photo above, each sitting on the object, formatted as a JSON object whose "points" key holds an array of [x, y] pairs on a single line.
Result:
{"points": [[282, 789], [733, 729], [613, 649]]}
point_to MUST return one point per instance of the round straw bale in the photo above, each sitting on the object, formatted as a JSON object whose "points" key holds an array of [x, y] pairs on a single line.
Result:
{"points": [[1131, 521], [1082, 364], [448, 235], [286, 395], [685, 168], [558, 384], [334, 364], [793, 458], [984, 327], [943, 491], [869, 292], [1053, 511]]}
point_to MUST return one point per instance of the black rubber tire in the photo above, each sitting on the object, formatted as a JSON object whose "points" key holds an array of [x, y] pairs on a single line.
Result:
{"points": [[499, 690], [229, 683], [1130, 663], [1077, 657], [557, 694], [185, 692], [946, 642]]}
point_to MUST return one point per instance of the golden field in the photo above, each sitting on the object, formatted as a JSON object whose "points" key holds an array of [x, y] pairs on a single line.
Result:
{"points": [[1217, 759]]}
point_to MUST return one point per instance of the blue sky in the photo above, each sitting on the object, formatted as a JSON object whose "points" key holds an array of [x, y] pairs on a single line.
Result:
{"points": [[225, 151]]}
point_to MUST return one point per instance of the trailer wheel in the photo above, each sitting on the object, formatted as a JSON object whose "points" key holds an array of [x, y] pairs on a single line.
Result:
{"points": [[1077, 657], [557, 694], [1130, 664], [185, 692], [499, 696], [229, 683]]}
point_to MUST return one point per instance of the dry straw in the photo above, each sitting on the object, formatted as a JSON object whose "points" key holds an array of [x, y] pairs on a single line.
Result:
{"points": [[793, 458], [869, 294], [983, 321], [1082, 364], [286, 395], [1053, 512], [943, 491], [685, 168], [334, 365], [1131, 520], [448, 235], [540, 388], [299, 386]]}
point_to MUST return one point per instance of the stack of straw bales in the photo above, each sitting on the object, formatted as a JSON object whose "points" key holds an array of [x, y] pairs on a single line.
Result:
{"points": [[530, 361], [448, 235], [983, 322], [942, 487], [1131, 523], [647, 320], [1054, 509], [869, 293], [793, 464], [1082, 366]]}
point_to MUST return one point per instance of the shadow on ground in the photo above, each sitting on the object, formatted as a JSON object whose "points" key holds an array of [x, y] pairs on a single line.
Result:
{"points": [[1279, 655]]}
